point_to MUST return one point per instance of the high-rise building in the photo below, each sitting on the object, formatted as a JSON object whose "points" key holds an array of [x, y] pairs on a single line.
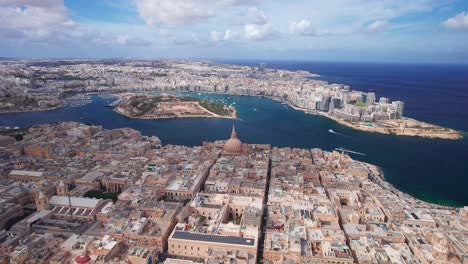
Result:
{"points": [[344, 97], [370, 99], [384, 100], [325, 103], [334, 103], [399, 107]]}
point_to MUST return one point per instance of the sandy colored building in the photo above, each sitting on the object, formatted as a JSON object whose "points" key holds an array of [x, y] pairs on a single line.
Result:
{"points": [[26, 176], [195, 245]]}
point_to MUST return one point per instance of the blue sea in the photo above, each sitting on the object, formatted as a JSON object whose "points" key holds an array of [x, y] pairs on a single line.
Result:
{"points": [[434, 93], [432, 170]]}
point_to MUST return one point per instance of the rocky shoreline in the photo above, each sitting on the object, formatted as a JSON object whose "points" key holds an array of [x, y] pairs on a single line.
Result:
{"points": [[406, 131], [32, 110]]}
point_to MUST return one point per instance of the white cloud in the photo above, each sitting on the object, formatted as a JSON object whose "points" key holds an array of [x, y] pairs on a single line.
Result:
{"points": [[122, 39], [260, 32], [230, 35], [459, 21], [181, 12], [126, 40], [33, 19], [302, 27], [255, 16], [184, 40], [377, 26], [338, 17], [216, 36]]}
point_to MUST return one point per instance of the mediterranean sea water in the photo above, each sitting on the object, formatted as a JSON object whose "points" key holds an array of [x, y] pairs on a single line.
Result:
{"points": [[430, 169]]}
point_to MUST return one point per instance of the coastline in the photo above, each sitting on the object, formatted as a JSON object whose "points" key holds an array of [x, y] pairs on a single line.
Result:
{"points": [[448, 133], [451, 134], [427, 199], [176, 117], [32, 110], [377, 177]]}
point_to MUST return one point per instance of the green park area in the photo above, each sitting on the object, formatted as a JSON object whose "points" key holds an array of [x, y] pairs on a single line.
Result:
{"points": [[102, 195]]}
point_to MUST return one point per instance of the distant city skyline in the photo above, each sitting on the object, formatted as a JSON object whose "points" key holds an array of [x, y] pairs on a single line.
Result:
{"points": [[426, 31]]}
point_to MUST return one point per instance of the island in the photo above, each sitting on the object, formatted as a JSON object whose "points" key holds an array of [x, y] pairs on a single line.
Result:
{"points": [[147, 106]]}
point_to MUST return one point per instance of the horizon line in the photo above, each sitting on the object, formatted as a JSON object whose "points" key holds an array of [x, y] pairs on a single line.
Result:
{"points": [[228, 60]]}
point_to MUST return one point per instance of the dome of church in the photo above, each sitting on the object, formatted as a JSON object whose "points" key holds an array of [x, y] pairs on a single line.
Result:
{"points": [[82, 259], [233, 145]]}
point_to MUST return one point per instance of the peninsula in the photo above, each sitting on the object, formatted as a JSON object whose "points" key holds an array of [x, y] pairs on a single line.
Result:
{"points": [[100, 195], [145, 106], [403, 126], [302, 90]]}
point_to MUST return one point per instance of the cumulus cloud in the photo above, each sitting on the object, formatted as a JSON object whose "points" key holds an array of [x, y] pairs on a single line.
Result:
{"points": [[255, 16], [216, 36], [181, 12], [260, 32], [228, 35], [459, 21], [33, 19], [377, 26], [302, 27]]}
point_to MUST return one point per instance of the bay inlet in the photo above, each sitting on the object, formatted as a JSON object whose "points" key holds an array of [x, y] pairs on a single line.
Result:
{"points": [[430, 169]]}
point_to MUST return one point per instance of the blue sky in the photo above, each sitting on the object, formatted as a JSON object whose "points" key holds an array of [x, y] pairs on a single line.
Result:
{"points": [[428, 31]]}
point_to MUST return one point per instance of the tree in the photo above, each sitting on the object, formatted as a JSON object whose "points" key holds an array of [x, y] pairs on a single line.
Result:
{"points": [[202, 219]]}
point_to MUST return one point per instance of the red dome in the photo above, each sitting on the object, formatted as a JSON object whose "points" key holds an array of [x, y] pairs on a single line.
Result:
{"points": [[82, 259]]}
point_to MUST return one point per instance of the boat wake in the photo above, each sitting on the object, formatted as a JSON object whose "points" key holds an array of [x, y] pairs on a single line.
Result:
{"points": [[342, 150], [336, 133]]}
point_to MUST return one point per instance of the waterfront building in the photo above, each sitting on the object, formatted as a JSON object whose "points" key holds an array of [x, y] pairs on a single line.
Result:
{"points": [[384, 100], [370, 98], [399, 108]]}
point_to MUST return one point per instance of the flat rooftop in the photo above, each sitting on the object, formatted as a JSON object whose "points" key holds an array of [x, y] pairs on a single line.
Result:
{"points": [[214, 238]]}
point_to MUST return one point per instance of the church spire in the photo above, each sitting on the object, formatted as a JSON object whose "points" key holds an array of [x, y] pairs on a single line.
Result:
{"points": [[233, 133]]}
